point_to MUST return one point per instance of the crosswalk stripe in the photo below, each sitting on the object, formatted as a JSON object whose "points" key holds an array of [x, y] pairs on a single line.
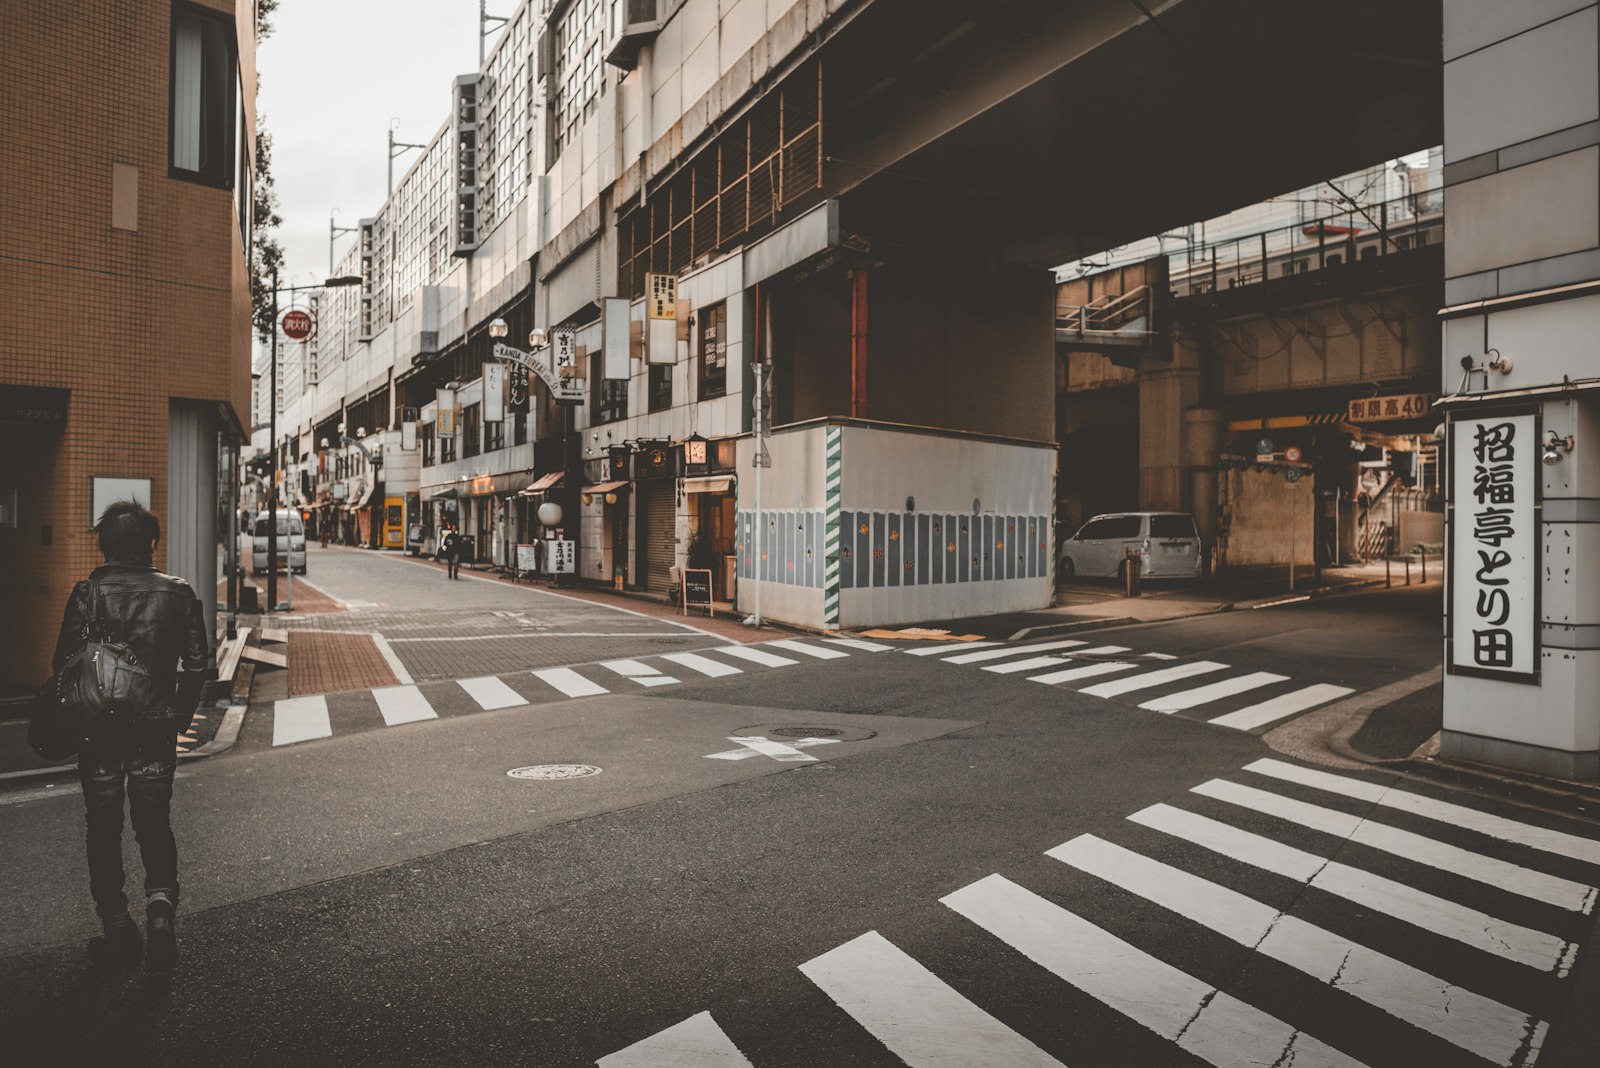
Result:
{"points": [[920, 1017], [695, 1043], [1185, 699], [631, 669], [1033, 663], [569, 682], [1280, 707], [818, 651], [1148, 679], [491, 693], [947, 647], [1477, 929], [299, 719], [1552, 889], [1198, 1017], [1455, 1014], [651, 681], [1012, 650], [403, 704], [1073, 674], [754, 655], [1507, 830], [705, 665], [857, 643]]}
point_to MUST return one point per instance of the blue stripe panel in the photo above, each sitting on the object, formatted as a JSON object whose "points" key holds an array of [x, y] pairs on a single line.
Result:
{"points": [[986, 558], [1014, 544], [908, 549], [952, 557], [847, 550], [1033, 547], [814, 524], [922, 550], [880, 534], [863, 537], [938, 559], [891, 555]]}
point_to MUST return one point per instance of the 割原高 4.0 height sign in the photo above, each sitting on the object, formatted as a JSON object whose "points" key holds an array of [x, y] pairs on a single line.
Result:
{"points": [[1495, 495]]}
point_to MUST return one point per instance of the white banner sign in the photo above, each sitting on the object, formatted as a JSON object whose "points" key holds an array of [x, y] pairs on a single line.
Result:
{"points": [[615, 339], [494, 392], [560, 557], [1494, 546], [444, 416]]}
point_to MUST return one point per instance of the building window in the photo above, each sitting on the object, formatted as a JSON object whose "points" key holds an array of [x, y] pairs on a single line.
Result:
{"points": [[494, 436], [579, 76], [471, 431], [519, 424], [204, 104], [714, 351], [660, 386], [447, 447], [610, 394], [427, 445]]}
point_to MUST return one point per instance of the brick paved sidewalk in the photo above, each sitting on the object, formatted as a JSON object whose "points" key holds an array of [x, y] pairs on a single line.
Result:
{"points": [[320, 662]]}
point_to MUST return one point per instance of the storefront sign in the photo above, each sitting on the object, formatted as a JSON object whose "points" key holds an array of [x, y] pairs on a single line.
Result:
{"points": [[494, 392], [560, 557], [1494, 545], [445, 413], [542, 363], [661, 296], [1387, 408], [45, 405]]}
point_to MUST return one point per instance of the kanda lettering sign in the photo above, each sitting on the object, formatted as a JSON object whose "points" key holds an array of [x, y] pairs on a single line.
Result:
{"points": [[1494, 545]]}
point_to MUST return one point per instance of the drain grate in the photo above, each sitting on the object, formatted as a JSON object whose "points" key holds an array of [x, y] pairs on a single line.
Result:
{"points": [[806, 732]]}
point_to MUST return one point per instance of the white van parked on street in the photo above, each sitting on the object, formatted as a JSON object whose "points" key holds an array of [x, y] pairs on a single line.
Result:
{"points": [[1167, 543], [291, 543]]}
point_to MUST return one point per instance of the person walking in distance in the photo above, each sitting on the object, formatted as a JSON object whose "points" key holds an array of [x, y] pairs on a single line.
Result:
{"points": [[452, 551], [127, 600]]}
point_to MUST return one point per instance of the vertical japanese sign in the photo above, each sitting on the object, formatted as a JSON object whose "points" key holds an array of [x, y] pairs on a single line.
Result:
{"points": [[1494, 545], [444, 415], [494, 392], [661, 318]]}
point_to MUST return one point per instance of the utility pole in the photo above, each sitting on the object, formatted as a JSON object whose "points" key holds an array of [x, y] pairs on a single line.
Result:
{"points": [[272, 444], [760, 461], [484, 18], [395, 149], [335, 231]]}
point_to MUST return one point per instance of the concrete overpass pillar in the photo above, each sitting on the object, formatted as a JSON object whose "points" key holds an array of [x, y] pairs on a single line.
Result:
{"points": [[1167, 389], [1203, 433]]}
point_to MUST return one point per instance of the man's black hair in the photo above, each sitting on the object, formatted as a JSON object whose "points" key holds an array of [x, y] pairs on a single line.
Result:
{"points": [[127, 530]]}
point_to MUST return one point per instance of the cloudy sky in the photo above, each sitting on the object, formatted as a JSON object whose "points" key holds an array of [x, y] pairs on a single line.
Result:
{"points": [[333, 75]]}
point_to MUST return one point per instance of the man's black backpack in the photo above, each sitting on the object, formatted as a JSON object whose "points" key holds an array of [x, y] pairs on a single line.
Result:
{"points": [[95, 695]]}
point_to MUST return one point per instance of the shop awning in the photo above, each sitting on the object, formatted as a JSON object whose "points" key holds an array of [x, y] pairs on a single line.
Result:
{"points": [[708, 484], [361, 499], [446, 494], [543, 483], [605, 487]]}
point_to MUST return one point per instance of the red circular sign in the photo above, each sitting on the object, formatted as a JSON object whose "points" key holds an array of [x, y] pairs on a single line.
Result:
{"points": [[296, 325], [1292, 454]]}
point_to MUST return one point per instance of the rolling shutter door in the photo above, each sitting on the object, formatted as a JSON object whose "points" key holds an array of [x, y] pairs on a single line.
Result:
{"points": [[657, 521]]}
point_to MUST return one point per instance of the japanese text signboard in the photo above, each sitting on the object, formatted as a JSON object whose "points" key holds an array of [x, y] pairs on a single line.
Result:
{"points": [[1494, 545], [661, 296], [1384, 409], [560, 557]]}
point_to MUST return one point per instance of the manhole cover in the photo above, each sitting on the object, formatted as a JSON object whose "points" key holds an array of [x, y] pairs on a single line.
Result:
{"points": [[554, 771], [807, 732], [842, 732]]}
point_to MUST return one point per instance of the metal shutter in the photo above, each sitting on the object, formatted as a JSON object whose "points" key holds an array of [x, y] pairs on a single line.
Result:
{"points": [[657, 523]]}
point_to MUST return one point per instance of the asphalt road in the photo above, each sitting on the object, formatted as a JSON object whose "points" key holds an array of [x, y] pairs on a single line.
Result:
{"points": [[392, 896]]}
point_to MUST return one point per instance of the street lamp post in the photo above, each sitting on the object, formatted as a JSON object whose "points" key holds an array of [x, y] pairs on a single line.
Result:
{"points": [[272, 430]]}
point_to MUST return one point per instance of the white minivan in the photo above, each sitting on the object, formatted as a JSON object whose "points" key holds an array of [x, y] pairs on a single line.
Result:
{"points": [[291, 543], [1167, 543]]}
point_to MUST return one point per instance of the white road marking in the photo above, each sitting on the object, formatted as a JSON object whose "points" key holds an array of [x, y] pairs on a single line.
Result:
{"points": [[299, 719], [857, 643], [1087, 672], [491, 693], [1177, 702], [1011, 666], [649, 681], [1153, 678], [403, 704], [695, 1043], [746, 753], [569, 682], [1507, 830], [755, 655], [1197, 1016], [916, 1014], [1161, 656], [1276, 708], [1457, 1015], [401, 675], [1469, 926], [515, 635], [1013, 650], [766, 747], [948, 647], [817, 651], [705, 665], [1563, 893], [629, 668]]}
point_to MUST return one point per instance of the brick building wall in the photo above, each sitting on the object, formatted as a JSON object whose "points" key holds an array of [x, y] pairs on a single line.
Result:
{"points": [[119, 282]]}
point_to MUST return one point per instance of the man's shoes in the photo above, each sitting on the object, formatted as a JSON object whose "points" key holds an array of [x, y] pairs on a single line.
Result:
{"points": [[161, 954], [121, 943]]}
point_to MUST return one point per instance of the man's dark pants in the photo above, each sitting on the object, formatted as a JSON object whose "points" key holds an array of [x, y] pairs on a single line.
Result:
{"points": [[455, 564], [141, 769]]}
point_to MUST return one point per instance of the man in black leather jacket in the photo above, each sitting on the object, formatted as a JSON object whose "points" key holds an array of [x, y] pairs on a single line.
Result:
{"points": [[160, 618]]}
